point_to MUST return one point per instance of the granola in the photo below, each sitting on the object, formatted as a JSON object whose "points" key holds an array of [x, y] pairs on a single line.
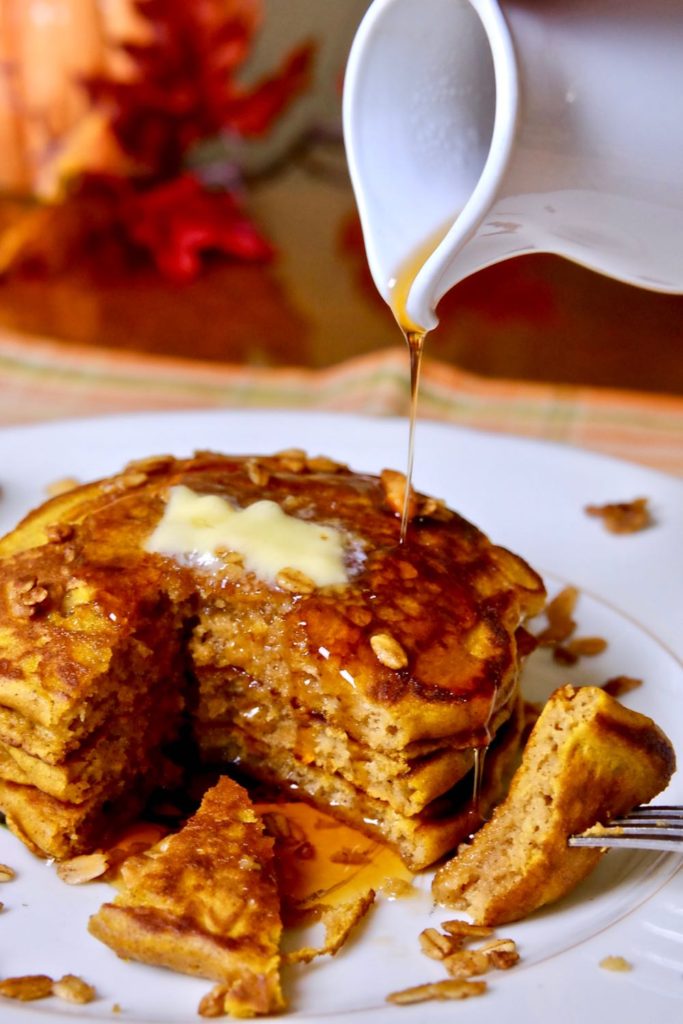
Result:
{"points": [[623, 516], [449, 989], [388, 651], [73, 989], [26, 987]]}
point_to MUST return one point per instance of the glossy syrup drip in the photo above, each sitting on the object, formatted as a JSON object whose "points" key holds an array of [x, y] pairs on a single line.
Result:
{"points": [[474, 815], [477, 778], [480, 749], [415, 341], [415, 334]]}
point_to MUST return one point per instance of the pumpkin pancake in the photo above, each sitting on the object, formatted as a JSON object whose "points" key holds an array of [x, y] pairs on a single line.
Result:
{"points": [[588, 759], [379, 677], [204, 902]]}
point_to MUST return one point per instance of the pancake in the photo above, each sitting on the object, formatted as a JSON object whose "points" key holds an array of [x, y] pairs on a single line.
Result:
{"points": [[419, 839], [204, 902], [378, 681], [588, 759], [406, 780]]}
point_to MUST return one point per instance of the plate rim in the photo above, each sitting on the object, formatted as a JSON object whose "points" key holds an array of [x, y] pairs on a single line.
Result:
{"points": [[532, 441]]}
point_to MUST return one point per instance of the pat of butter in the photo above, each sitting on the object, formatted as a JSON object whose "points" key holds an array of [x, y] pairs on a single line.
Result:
{"points": [[194, 527]]}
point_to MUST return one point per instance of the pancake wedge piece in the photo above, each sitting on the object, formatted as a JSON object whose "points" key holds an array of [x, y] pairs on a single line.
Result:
{"points": [[588, 759], [204, 902]]}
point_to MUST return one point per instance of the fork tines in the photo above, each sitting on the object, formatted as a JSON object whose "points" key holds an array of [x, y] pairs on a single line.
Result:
{"points": [[655, 827]]}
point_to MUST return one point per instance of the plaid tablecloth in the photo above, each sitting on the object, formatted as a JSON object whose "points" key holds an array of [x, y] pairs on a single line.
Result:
{"points": [[43, 380]]}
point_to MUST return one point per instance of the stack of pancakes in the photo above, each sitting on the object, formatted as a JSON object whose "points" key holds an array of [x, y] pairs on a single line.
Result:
{"points": [[90, 663], [367, 697]]}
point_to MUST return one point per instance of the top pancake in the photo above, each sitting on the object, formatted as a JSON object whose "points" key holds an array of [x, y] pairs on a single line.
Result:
{"points": [[76, 586]]}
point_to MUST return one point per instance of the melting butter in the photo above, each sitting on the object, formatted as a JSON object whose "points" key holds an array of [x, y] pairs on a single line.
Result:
{"points": [[195, 527]]}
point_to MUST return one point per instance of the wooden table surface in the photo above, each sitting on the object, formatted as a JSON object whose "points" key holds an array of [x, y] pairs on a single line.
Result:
{"points": [[533, 318]]}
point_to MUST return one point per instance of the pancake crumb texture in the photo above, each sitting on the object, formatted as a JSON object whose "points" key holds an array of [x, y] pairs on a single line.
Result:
{"points": [[204, 902], [367, 695], [588, 759]]}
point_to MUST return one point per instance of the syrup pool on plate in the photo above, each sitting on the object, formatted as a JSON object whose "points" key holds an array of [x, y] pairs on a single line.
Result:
{"points": [[319, 860]]}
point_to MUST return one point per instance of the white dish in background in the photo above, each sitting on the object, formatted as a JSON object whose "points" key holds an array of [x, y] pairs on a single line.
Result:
{"points": [[530, 497]]}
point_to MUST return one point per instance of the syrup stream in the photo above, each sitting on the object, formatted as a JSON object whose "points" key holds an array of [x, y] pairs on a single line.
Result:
{"points": [[477, 777], [415, 341], [415, 334]]}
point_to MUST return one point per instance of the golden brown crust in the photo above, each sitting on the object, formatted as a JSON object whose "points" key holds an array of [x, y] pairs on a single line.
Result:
{"points": [[204, 902], [456, 627], [420, 647], [57, 828], [588, 759]]}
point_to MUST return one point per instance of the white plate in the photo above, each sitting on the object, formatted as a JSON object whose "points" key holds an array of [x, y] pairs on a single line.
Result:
{"points": [[529, 496]]}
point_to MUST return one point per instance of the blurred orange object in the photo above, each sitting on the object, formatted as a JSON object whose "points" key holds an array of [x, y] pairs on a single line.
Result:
{"points": [[44, 46], [126, 181], [49, 128]]}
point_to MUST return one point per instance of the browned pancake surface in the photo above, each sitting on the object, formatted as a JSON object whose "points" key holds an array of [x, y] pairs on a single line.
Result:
{"points": [[99, 637], [588, 759], [204, 902]]}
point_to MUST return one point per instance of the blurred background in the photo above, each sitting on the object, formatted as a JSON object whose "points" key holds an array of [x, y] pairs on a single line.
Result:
{"points": [[173, 181]]}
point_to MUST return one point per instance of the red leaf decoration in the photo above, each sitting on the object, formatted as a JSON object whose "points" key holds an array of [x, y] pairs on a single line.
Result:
{"points": [[253, 113], [185, 87], [184, 90], [180, 221]]}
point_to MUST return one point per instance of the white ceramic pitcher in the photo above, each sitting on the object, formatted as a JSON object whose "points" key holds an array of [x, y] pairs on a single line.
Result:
{"points": [[477, 130]]}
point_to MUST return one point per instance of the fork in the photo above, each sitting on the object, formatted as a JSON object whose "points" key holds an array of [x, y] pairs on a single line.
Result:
{"points": [[651, 827]]}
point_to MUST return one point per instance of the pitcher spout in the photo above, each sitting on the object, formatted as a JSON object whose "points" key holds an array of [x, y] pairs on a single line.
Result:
{"points": [[477, 131], [430, 107]]}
